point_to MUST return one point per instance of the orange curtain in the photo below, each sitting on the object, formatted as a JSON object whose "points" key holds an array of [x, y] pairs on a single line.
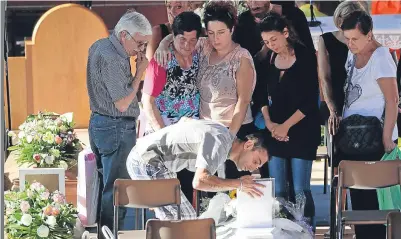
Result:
{"points": [[386, 7]]}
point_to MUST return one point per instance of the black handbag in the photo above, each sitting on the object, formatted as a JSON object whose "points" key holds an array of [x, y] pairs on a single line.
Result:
{"points": [[359, 134]]}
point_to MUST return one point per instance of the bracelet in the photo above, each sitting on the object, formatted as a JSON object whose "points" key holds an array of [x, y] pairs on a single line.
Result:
{"points": [[240, 187]]}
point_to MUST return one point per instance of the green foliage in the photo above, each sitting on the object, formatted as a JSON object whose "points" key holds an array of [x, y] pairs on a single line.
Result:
{"points": [[47, 140]]}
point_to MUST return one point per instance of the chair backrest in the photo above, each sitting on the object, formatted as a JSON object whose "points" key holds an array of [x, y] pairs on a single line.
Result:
{"points": [[369, 175], [147, 193], [194, 229], [393, 225]]}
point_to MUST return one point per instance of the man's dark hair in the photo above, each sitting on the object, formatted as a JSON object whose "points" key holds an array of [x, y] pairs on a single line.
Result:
{"points": [[358, 20], [187, 22], [222, 11], [259, 140]]}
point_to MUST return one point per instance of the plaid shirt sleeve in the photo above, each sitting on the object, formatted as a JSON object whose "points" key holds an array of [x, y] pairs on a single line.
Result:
{"points": [[117, 81]]}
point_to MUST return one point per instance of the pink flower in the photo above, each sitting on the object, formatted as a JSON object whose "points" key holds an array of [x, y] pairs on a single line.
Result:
{"points": [[37, 186], [58, 140], [55, 212], [36, 157], [45, 195], [58, 198], [25, 206]]}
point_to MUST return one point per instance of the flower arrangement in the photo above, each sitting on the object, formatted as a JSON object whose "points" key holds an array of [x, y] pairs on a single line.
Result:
{"points": [[37, 213], [47, 140]]}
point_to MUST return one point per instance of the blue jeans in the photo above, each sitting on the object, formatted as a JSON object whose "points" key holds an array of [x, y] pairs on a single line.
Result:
{"points": [[111, 140], [301, 174]]}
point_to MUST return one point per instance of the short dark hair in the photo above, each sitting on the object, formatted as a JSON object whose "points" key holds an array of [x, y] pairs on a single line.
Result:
{"points": [[187, 22], [275, 22], [222, 11], [259, 140], [358, 20]]}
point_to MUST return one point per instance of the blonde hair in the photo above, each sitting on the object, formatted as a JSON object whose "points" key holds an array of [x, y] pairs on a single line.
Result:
{"points": [[344, 9]]}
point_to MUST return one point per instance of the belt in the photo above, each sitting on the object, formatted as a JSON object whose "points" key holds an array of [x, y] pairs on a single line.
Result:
{"points": [[115, 117]]}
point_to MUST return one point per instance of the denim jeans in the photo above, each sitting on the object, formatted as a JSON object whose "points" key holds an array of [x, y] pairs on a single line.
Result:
{"points": [[301, 174], [111, 140]]}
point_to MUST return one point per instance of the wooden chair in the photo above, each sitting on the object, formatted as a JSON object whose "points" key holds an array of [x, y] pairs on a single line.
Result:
{"points": [[358, 175], [194, 229], [144, 194], [394, 225]]}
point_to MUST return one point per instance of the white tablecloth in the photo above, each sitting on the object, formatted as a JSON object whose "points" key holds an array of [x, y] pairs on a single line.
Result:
{"points": [[386, 28]]}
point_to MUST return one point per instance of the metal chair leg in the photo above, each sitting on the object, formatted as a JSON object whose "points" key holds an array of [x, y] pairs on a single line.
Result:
{"points": [[333, 224], [325, 175]]}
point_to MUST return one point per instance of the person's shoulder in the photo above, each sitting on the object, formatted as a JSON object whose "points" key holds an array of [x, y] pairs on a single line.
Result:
{"points": [[245, 16], [305, 52], [293, 13], [103, 49]]}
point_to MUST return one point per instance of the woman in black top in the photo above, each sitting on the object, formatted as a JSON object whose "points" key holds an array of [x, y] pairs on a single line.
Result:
{"points": [[332, 55], [288, 98]]}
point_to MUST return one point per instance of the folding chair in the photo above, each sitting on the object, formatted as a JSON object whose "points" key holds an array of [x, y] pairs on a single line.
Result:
{"points": [[394, 225], [194, 229], [144, 194], [358, 175]]}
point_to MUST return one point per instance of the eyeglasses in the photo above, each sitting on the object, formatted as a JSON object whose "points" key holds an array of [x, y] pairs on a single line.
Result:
{"points": [[139, 44]]}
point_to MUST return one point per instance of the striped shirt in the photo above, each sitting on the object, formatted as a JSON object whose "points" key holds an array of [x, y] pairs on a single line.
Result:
{"points": [[109, 78], [184, 145]]}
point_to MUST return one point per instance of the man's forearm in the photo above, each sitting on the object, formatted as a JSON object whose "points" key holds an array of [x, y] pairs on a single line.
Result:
{"points": [[123, 104], [211, 183]]}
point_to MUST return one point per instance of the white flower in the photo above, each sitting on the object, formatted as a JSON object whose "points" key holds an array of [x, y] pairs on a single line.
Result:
{"points": [[49, 159], [63, 165], [29, 193], [21, 134], [12, 134], [51, 221], [26, 220], [67, 117], [29, 139], [43, 231]]}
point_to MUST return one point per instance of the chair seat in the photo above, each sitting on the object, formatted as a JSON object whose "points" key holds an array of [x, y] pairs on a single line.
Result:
{"points": [[135, 234], [362, 217]]}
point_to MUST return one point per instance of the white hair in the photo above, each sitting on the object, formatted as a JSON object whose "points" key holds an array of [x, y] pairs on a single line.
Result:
{"points": [[133, 22]]}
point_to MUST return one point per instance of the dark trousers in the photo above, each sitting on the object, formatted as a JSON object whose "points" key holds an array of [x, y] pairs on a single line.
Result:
{"points": [[111, 140]]}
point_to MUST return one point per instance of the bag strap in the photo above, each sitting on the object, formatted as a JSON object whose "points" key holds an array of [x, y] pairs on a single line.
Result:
{"points": [[348, 81]]}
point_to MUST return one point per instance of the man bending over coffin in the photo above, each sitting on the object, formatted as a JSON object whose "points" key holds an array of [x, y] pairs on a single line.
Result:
{"points": [[200, 146]]}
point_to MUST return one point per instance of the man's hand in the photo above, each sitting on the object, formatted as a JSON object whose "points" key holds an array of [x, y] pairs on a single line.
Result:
{"points": [[141, 64], [251, 187], [163, 55]]}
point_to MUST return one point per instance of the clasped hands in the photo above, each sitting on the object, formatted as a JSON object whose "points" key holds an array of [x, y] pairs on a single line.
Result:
{"points": [[278, 131]]}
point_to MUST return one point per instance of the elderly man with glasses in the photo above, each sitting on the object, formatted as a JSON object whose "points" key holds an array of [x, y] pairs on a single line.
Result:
{"points": [[112, 93]]}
